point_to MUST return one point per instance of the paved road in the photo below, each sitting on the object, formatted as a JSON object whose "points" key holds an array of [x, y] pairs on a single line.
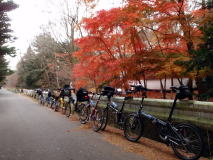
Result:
{"points": [[29, 131]]}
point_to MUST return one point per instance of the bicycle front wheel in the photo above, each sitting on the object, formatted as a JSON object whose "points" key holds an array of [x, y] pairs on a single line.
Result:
{"points": [[57, 106], [84, 114], [133, 128], [190, 145]]}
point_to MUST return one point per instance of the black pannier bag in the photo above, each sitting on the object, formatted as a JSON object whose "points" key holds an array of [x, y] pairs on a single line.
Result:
{"points": [[108, 91], [183, 93], [67, 92], [82, 95]]}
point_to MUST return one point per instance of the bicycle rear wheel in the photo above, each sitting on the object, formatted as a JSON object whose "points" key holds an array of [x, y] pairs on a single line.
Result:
{"points": [[191, 143], [68, 110], [133, 128], [62, 107], [52, 104], [105, 118], [97, 117], [57, 106]]}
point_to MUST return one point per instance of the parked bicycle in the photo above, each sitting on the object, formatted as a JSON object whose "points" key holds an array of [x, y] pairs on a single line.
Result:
{"points": [[84, 113], [69, 101], [91, 112], [49, 98], [42, 97], [82, 97], [119, 112], [55, 99], [185, 139], [59, 99], [65, 100]]}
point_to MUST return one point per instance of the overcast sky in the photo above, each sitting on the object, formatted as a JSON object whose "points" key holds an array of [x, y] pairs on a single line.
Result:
{"points": [[28, 19]]}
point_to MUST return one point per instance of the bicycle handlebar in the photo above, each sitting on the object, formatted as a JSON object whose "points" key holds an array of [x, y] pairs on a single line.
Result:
{"points": [[138, 88], [182, 87]]}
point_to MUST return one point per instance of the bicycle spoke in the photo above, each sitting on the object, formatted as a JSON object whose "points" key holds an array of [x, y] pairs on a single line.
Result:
{"points": [[132, 128], [190, 145]]}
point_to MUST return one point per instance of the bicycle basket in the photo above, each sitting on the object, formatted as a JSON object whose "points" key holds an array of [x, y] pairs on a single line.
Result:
{"points": [[82, 95]]}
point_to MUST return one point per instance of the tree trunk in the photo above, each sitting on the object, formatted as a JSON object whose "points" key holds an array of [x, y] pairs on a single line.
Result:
{"points": [[190, 85], [163, 89], [201, 87], [172, 81], [164, 94]]}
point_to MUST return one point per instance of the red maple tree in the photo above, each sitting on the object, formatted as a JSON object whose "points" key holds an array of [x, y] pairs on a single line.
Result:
{"points": [[140, 40]]}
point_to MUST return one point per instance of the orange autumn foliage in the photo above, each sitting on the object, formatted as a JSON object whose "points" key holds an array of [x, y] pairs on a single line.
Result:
{"points": [[140, 40]]}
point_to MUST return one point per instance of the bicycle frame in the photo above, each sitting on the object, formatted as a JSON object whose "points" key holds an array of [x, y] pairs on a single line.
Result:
{"points": [[162, 123], [94, 105], [119, 112], [177, 139], [151, 117]]}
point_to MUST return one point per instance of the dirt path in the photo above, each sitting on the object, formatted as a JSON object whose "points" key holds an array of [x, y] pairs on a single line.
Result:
{"points": [[149, 149]]}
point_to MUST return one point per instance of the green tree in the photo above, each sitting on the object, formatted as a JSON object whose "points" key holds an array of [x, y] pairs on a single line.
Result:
{"points": [[5, 37], [201, 63], [43, 65], [47, 48], [29, 70]]}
